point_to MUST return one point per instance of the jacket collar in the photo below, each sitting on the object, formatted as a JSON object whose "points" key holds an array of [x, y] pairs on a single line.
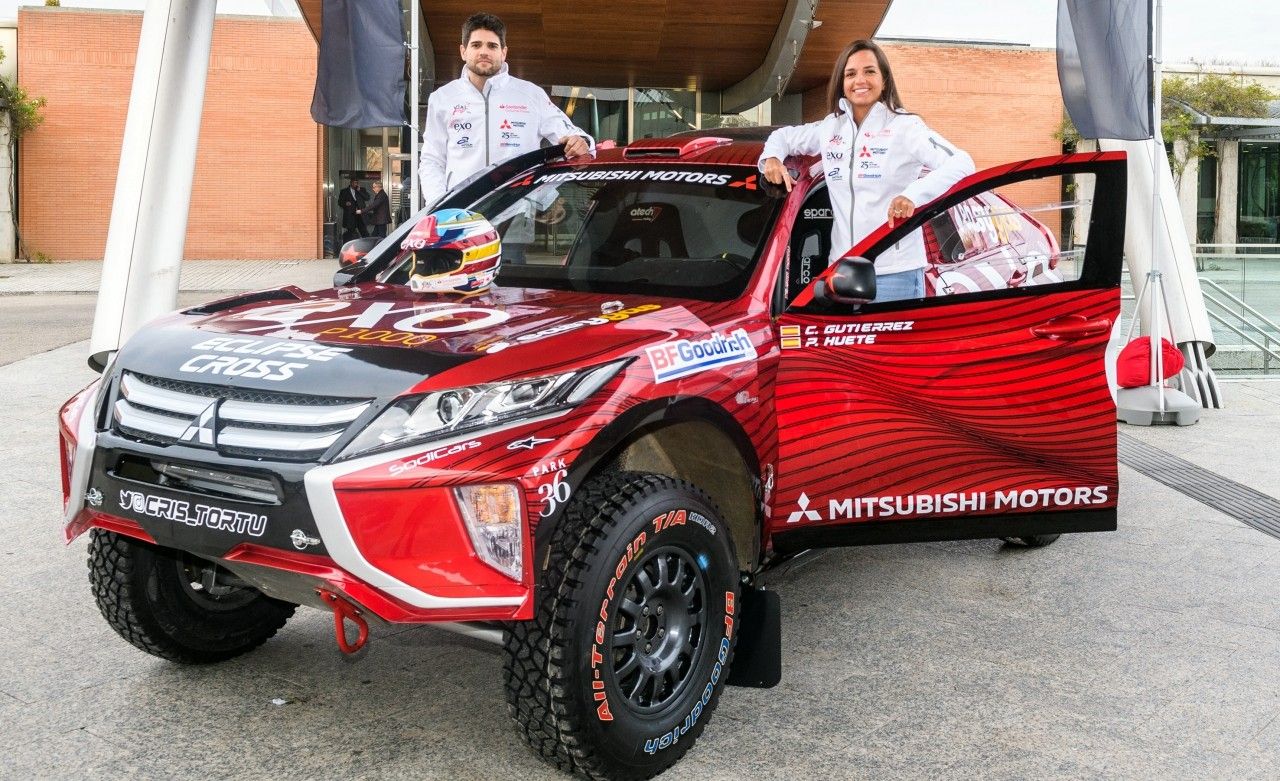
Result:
{"points": [[496, 81], [877, 116]]}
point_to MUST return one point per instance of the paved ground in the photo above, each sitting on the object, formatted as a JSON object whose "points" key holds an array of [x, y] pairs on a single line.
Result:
{"points": [[197, 275], [1151, 652]]}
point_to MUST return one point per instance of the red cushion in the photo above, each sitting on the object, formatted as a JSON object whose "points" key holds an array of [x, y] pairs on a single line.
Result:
{"points": [[1133, 367]]}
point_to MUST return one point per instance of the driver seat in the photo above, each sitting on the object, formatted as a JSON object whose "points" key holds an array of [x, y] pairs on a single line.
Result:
{"points": [[647, 229]]}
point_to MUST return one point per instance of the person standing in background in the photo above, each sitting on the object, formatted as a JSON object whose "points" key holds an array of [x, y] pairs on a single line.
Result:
{"points": [[351, 200], [378, 212]]}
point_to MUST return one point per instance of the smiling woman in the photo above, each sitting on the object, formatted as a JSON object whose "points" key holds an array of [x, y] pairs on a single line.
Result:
{"points": [[874, 152]]}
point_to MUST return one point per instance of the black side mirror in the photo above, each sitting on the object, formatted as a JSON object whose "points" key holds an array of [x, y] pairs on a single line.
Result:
{"points": [[347, 274], [853, 283], [354, 251]]}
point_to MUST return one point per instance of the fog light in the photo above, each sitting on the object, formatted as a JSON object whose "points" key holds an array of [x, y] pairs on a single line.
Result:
{"points": [[492, 514]]}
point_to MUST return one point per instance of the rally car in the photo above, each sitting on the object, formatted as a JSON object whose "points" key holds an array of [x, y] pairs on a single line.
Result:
{"points": [[596, 457]]}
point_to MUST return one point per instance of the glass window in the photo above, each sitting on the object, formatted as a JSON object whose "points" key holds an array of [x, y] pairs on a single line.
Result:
{"points": [[600, 112], [997, 240], [1206, 199], [1006, 237], [1259, 191], [662, 112]]}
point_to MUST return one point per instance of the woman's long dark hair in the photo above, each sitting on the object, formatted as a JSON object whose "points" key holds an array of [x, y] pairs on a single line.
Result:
{"points": [[835, 88]]}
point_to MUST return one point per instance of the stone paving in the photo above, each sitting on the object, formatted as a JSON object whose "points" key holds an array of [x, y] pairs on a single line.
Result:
{"points": [[1151, 652], [83, 276]]}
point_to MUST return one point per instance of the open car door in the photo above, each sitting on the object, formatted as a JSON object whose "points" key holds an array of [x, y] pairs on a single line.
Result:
{"points": [[981, 409]]}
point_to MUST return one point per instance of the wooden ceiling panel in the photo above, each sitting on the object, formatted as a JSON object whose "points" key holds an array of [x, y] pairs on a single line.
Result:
{"points": [[654, 43]]}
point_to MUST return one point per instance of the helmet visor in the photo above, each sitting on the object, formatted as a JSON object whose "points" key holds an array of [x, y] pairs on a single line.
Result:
{"points": [[429, 262]]}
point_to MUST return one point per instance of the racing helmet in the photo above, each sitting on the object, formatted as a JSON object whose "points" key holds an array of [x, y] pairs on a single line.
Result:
{"points": [[454, 251]]}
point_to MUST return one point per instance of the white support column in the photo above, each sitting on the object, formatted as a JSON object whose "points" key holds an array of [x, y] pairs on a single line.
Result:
{"points": [[1189, 191], [8, 239], [148, 227], [1227, 213]]}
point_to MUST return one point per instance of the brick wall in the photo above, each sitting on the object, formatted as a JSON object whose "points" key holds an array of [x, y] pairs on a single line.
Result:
{"points": [[257, 179], [998, 103]]}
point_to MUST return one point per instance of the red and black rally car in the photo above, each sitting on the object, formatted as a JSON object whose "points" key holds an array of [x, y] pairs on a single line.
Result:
{"points": [[597, 460]]}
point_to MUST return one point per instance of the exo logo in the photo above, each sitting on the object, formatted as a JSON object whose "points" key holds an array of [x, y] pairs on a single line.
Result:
{"points": [[803, 513], [201, 429]]}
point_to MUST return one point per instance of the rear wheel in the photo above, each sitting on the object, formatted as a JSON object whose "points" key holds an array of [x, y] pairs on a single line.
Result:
{"points": [[1032, 540], [178, 606], [617, 674]]}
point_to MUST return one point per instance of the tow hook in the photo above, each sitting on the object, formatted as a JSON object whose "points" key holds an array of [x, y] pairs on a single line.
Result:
{"points": [[342, 612]]}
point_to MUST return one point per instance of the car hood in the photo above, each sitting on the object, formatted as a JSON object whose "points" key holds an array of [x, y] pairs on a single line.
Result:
{"points": [[375, 340]]}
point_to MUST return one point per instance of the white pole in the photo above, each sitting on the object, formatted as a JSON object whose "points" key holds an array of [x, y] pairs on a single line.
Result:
{"points": [[1157, 149], [148, 227], [415, 66]]}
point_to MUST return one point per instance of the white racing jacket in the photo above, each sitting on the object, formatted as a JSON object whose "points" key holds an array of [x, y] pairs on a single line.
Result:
{"points": [[867, 167], [466, 130]]}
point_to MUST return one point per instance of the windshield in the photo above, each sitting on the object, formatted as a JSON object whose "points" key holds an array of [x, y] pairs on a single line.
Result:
{"points": [[693, 232]]}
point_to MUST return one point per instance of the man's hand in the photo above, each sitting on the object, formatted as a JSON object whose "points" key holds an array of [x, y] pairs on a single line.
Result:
{"points": [[576, 146], [777, 173], [900, 209]]}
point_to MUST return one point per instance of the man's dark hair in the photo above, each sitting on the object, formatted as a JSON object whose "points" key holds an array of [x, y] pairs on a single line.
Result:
{"points": [[483, 21]]}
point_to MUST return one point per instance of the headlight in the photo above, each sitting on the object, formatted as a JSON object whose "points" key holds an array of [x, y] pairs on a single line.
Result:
{"points": [[443, 413]]}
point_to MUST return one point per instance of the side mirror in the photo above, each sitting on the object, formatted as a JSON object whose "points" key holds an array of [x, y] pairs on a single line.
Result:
{"points": [[853, 283], [347, 274], [354, 251]]}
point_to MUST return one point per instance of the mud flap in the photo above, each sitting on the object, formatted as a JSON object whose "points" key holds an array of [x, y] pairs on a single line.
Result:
{"points": [[757, 662]]}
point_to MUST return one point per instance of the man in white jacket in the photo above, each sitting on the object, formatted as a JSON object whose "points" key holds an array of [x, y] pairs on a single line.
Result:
{"points": [[487, 115]]}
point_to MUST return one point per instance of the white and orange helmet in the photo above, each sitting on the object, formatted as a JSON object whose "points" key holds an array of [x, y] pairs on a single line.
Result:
{"points": [[454, 251]]}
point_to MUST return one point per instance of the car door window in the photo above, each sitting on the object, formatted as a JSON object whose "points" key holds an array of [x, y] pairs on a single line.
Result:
{"points": [[1016, 232], [1008, 237]]}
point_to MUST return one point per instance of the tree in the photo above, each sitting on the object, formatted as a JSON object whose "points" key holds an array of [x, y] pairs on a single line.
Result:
{"points": [[23, 114], [1214, 94]]}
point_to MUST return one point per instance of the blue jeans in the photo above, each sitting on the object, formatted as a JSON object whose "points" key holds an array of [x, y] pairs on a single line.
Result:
{"points": [[900, 286]]}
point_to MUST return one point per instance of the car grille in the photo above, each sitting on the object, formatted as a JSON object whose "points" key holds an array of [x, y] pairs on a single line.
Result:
{"points": [[233, 421]]}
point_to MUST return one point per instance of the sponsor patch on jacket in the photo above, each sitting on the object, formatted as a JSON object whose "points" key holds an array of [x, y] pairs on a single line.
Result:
{"points": [[683, 357]]}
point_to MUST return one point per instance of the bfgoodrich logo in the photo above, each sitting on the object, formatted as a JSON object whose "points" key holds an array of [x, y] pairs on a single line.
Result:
{"points": [[672, 360]]}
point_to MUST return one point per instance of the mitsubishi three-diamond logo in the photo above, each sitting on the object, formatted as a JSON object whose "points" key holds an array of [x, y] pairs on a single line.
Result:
{"points": [[201, 429], [803, 513]]}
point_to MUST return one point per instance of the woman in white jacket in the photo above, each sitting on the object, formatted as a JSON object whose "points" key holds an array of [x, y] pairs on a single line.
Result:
{"points": [[873, 151]]}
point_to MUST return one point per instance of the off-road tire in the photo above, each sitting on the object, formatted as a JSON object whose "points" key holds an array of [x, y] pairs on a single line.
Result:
{"points": [[1033, 540], [551, 689], [140, 592]]}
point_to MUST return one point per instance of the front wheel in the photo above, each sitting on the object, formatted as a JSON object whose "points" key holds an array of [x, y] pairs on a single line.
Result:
{"points": [[617, 674], [177, 606]]}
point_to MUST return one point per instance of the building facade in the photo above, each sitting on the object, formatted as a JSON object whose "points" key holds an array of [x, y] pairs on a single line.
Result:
{"points": [[256, 192]]}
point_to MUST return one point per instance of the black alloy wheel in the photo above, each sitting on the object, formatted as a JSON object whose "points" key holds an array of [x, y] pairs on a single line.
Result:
{"points": [[659, 628]]}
